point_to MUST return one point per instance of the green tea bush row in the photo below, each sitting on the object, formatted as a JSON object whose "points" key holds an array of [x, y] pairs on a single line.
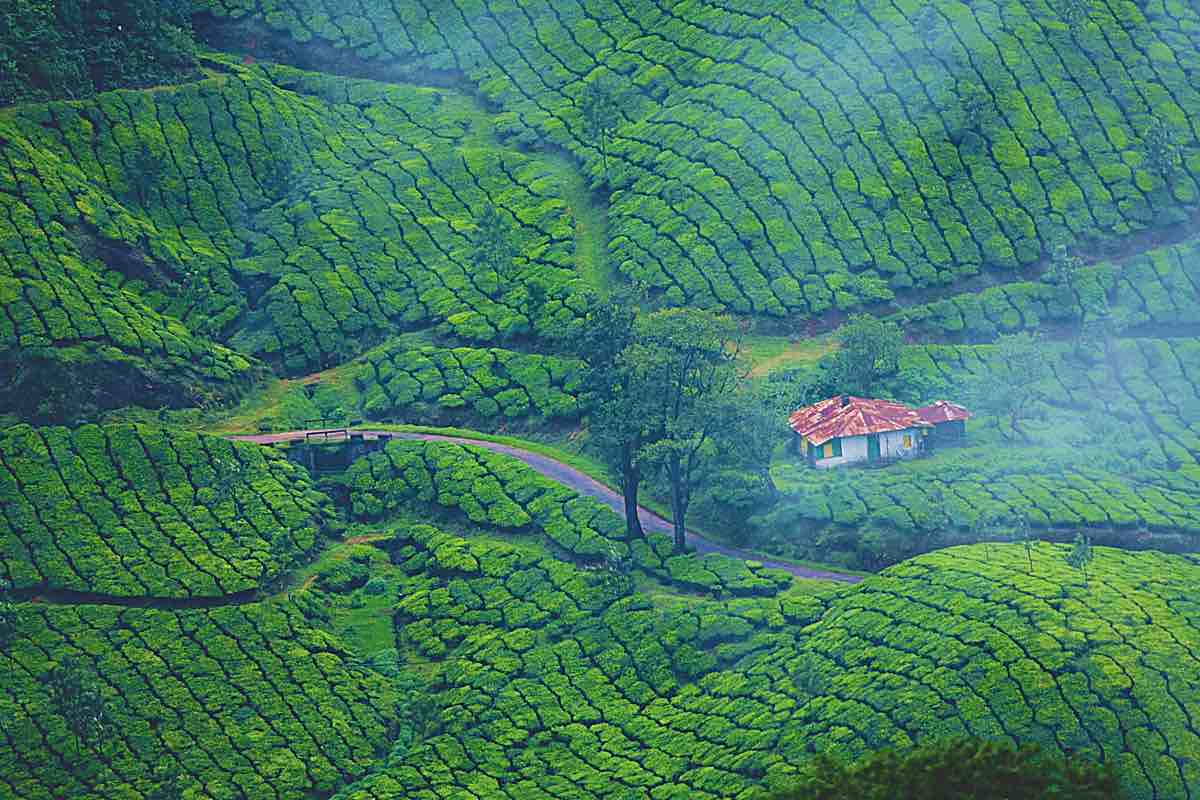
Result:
{"points": [[294, 216], [548, 687], [138, 511], [1158, 288], [793, 160], [248, 701], [499, 491], [439, 383]]}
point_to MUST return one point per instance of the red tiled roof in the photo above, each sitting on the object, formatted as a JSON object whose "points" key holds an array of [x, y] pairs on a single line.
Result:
{"points": [[830, 419], [943, 411]]}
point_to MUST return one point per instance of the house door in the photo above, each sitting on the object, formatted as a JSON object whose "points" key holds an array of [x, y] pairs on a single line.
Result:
{"points": [[873, 447]]}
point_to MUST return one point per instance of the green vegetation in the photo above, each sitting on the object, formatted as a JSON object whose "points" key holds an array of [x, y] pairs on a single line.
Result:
{"points": [[247, 701], [1111, 444], [793, 160], [430, 384], [137, 511], [498, 491], [75, 48], [966, 768]]}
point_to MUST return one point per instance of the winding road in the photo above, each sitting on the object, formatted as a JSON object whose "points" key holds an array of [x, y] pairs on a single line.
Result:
{"points": [[568, 476]]}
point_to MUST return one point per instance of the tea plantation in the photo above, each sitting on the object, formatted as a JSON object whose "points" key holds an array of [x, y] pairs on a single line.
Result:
{"points": [[792, 159], [544, 693], [136, 511], [260, 216]]}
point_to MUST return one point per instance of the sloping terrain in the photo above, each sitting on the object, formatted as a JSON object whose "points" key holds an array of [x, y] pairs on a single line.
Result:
{"points": [[798, 158], [137, 511], [542, 693]]}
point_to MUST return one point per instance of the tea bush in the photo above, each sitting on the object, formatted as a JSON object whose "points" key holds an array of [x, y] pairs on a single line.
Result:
{"points": [[138, 511]]}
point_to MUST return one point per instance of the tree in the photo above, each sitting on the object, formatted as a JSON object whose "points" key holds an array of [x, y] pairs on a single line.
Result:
{"points": [[601, 109], [683, 364], [869, 351], [1081, 555], [616, 419], [493, 247], [1161, 152], [1008, 384], [143, 172], [958, 768], [1023, 533], [1064, 270], [167, 785], [77, 700]]}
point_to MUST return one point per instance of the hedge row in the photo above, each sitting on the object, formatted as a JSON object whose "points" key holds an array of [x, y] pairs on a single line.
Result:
{"points": [[1158, 288], [548, 688], [295, 216], [551, 688], [793, 159], [500, 491], [247, 701], [440, 383], [138, 511]]}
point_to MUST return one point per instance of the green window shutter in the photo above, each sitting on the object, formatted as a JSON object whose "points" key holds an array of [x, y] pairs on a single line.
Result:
{"points": [[837, 448]]}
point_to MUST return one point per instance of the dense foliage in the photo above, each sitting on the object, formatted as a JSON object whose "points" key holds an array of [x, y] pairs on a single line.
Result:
{"points": [[137, 511], [801, 159], [431, 384], [75, 48], [967, 769], [248, 701], [548, 687]]}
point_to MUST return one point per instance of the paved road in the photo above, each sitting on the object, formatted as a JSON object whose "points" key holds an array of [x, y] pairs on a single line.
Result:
{"points": [[584, 484]]}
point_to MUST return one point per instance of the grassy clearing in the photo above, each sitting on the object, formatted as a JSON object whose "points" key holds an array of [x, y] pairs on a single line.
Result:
{"points": [[769, 353]]}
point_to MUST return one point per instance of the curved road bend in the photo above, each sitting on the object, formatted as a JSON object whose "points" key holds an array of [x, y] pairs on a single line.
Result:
{"points": [[584, 484]]}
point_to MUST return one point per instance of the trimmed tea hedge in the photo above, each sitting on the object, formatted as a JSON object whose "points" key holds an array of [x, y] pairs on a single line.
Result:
{"points": [[1159, 288], [499, 491], [248, 701], [137, 511], [295, 216], [796, 159], [441, 383], [548, 688]]}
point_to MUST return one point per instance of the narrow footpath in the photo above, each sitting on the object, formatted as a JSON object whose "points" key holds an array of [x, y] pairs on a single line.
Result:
{"points": [[584, 484]]}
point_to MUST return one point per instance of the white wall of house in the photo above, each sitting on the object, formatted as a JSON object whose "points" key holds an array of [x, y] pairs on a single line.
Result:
{"points": [[899, 444], [854, 449], [894, 444]]}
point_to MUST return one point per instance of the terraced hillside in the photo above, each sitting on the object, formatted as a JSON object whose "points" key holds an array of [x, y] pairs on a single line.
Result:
{"points": [[542, 695], [135, 511], [296, 217], [795, 159]]}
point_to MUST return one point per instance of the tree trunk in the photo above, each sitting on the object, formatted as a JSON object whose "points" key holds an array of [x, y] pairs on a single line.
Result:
{"points": [[678, 504], [631, 481]]}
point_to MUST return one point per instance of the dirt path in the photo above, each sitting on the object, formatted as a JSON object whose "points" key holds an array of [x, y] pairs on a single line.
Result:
{"points": [[586, 485]]}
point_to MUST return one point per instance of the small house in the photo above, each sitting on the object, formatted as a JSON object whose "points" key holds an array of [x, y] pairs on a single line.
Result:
{"points": [[850, 430], [949, 422]]}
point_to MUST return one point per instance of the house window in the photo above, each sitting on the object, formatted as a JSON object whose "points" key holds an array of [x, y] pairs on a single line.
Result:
{"points": [[908, 441]]}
